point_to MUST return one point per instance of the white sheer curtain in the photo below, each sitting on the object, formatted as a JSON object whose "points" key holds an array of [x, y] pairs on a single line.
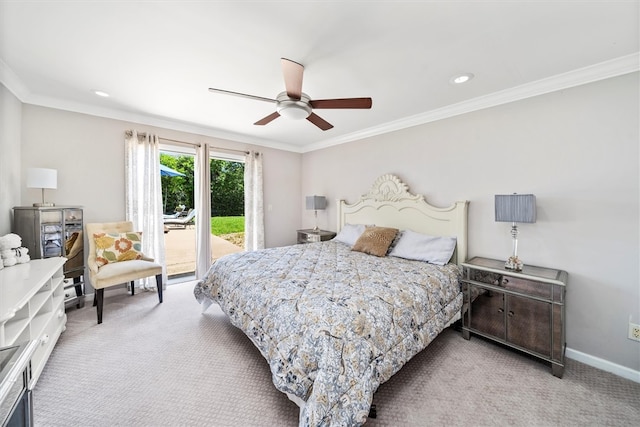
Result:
{"points": [[143, 202], [202, 206], [253, 202]]}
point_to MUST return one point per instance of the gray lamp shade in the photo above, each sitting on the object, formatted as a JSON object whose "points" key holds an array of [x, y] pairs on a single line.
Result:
{"points": [[515, 208], [316, 202]]}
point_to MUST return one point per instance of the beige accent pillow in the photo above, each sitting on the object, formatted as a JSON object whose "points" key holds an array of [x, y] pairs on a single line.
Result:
{"points": [[375, 240]]}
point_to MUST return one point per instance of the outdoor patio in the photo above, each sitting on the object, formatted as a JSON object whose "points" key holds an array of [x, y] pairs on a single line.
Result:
{"points": [[180, 247]]}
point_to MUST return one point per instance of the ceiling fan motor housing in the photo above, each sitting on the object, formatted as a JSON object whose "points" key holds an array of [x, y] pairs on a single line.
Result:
{"points": [[296, 109]]}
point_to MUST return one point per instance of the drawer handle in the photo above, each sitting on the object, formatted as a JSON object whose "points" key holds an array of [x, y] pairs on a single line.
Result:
{"points": [[500, 310]]}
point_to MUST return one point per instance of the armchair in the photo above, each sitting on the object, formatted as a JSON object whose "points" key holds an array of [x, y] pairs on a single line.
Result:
{"points": [[103, 273]]}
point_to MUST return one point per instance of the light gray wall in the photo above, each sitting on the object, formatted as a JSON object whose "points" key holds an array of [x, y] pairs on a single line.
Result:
{"points": [[576, 150], [10, 125], [88, 153]]}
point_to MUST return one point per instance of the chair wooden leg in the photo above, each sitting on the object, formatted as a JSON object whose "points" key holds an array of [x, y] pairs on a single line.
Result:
{"points": [[79, 294], [159, 285], [133, 287], [99, 302]]}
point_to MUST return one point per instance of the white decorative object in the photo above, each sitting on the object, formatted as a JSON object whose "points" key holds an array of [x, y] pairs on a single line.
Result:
{"points": [[10, 241], [390, 188], [11, 250]]}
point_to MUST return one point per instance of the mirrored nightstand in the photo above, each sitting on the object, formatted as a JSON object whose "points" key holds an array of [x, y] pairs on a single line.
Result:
{"points": [[311, 236]]}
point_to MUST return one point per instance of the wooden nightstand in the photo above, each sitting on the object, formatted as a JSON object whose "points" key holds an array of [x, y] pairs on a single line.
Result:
{"points": [[521, 309], [312, 236]]}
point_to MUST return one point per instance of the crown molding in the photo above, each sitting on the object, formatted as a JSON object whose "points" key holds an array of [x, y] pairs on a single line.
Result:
{"points": [[12, 82], [604, 70], [601, 71]]}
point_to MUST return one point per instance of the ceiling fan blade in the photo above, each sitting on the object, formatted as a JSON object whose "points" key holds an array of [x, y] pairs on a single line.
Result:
{"points": [[267, 119], [292, 72], [319, 121], [242, 95], [341, 103]]}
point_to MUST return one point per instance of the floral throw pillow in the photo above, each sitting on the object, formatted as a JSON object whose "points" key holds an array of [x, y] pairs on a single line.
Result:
{"points": [[117, 247]]}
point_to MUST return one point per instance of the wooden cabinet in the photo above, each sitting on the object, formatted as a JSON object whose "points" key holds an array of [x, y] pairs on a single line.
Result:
{"points": [[55, 231], [310, 235], [524, 310], [32, 308]]}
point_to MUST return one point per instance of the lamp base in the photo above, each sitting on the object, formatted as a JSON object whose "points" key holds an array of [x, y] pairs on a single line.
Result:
{"points": [[513, 263], [43, 205]]}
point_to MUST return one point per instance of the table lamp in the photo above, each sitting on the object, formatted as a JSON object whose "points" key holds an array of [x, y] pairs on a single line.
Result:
{"points": [[42, 178], [515, 208], [316, 203]]}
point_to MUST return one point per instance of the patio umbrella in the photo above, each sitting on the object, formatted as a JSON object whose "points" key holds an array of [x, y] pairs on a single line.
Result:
{"points": [[167, 171]]}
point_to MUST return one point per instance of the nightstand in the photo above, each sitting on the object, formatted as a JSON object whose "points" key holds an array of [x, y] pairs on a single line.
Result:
{"points": [[311, 236], [524, 309]]}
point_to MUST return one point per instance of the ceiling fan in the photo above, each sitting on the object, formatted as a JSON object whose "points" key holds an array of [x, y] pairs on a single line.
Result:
{"points": [[295, 104]]}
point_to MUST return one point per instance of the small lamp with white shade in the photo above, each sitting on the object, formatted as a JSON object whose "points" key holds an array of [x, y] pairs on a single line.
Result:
{"points": [[42, 178]]}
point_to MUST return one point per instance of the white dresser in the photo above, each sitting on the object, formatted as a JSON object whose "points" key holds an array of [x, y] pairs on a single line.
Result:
{"points": [[32, 307]]}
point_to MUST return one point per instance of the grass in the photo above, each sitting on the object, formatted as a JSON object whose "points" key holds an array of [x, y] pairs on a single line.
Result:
{"points": [[227, 225]]}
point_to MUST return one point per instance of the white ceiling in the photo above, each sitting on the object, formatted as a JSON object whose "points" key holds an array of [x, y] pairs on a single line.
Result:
{"points": [[158, 58]]}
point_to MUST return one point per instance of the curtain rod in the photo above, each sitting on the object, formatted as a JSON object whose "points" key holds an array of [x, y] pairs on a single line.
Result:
{"points": [[196, 144]]}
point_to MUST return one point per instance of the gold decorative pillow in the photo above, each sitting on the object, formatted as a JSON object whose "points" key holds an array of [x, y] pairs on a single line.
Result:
{"points": [[375, 240], [117, 247]]}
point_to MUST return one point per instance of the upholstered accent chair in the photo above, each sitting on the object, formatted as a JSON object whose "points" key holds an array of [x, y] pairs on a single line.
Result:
{"points": [[121, 265]]}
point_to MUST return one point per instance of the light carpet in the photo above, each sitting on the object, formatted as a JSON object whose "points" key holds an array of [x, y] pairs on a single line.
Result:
{"points": [[169, 364]]}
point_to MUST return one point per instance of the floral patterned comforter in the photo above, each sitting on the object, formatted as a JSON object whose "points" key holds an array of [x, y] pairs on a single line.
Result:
{"points": [[332, 323]]}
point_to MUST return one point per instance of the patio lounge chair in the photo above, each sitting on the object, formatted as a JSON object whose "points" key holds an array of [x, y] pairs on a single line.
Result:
{"points": [[181, 222], [179, 212]]}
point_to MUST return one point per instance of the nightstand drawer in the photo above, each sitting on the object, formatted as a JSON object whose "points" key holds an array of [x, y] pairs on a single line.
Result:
{"points": [[527, 287], [311, 238]]}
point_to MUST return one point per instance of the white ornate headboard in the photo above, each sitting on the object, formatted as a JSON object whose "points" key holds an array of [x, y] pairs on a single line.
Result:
{"points": [[389, 204]]}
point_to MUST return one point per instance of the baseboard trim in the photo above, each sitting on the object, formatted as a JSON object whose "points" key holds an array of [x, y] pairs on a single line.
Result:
{"points": [[605, 365]]}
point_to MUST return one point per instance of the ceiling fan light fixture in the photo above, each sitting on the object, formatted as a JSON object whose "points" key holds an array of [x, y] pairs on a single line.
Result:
{"points": [[292, 108], [294, 112]]}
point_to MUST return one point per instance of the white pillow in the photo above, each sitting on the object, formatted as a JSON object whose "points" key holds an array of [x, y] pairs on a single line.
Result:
{"points": [[350, 233], [421, 247]]}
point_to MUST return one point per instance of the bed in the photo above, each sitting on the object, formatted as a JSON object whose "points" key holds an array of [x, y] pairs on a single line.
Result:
{"points": [[335, 323]]}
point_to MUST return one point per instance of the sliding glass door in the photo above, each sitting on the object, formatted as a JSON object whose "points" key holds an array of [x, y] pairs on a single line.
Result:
{"points": [[226, 219]]}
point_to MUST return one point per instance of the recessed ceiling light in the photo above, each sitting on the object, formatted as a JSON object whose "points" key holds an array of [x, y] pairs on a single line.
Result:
{"points": [[101, 93], [461, 78]]}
